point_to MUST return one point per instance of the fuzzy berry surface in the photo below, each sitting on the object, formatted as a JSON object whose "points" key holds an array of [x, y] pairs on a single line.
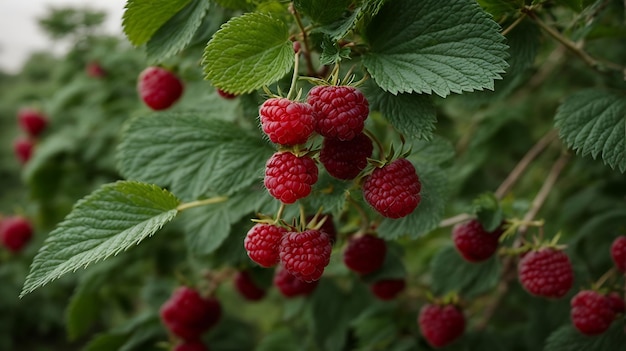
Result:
{"points": [[617, 302], [262, 242], [247, 288], [340, 111], [32, 121], [23, 148], [287, 122], [387, 289], [305, 254], [394, 189], [159, 88], [365, 254], [188, 315], [618, 253], [546, 272], [346, 159], [441, 325], [291, 286], [289, 177], [591, 312], [473, 242], [15, 233], [191, 345]]}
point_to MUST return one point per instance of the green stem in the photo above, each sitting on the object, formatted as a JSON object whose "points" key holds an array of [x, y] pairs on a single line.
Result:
{"points": [[198, 203], [305, 40], [294, 79]]}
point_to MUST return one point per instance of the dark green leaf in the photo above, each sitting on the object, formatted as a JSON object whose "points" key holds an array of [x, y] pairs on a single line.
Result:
{"points": [[341, 27], [567, 338], [322, 11]]}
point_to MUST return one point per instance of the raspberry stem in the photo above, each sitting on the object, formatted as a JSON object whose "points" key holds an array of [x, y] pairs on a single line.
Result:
{"points": [[294, 79], [365, 221], [608, 274], [198, 203], [279, 214], [305, 40]]}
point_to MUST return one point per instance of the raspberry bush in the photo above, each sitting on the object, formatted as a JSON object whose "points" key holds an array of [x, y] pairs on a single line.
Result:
{"points": [[320, 175]]}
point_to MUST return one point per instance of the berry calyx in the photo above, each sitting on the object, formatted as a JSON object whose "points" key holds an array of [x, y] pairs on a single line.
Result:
{"points": [[188, 315], [546, 272], [287, 122], [441, 325], [388, 289], [473, 242], [23, 148], [365, 254], [247, 287], [289, 177], [346, 159], [591, 312], [618, 253], [159, 88], [15, 233], [394, 189], [32, 121], [305, 254], [340, 111], [290, 286], [262, 242], [191, 345]]}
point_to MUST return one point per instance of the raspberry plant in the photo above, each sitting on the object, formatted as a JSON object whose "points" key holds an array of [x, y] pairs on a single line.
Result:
{"points": [[287, 131]]}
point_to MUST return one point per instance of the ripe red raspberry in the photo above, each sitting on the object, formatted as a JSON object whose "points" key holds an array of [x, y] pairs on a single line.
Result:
{"points": [[32, 121], [289, 177], [592, 313], [287, 122], [159, 88], [191, 345], [95, 70], [365, 254], [394, 189], [23, 148], [290, 286], [15, 233], [188, 315], [346, 159], [225, 95], [441, 325], [340, 111], [617, 302], [262, 242], [305, 254], [247, 287], [546, 272], [475, 243], [618, 252], [388, 289]]}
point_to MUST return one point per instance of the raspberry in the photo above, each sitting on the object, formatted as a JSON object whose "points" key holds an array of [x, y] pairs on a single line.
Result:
{"points": [[188, 315], [617, 302], [225, 95], [191, 345], [328, 227], [346, 159], [15, 233], [159, 88], [247, 287], [387, 289], [305, 254], [393, 190], [365, 254], [95, 70], [262, 242], [340, 111], [287, 122], [546, 272], [23, 148], [441, 325], [618, 252], [592, 312], [289, 177], [475, 243], [290, 286], [32, 121]]}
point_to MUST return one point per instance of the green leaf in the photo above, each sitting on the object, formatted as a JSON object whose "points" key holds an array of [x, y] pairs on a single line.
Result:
{"points": [[436, 151], [328, 193], [178, 32], [106, 342], [332, 52], [451, 272], [190, 154], [454, 47], [567, 338], [322, 11], [143, 18], [279, 340], [487, 209], [112, 219], [593, 122], [500, 7], [340, 28], [81, 313], [248, 52]]}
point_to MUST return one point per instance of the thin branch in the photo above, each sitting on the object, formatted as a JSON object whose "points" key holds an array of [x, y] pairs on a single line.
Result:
{"points": [[514, 24], [305, 40], [209, 201], [448, 222]]}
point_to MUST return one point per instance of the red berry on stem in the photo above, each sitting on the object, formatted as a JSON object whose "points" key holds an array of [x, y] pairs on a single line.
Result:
{"points": [[305, 254], [473, 242], [340, 111], [346, 159], [592, 313], [95, 70], [247, 287], [289, 177], [618, 253], [365, 254], [441, 325], [290, 286], [32, 121], [388, 289], [159, 88], [15, 233], [23, 148], [262, 242], [187, 314], [191, 345], [328, 227], [546, 272], [287, 122], [394, 189]]}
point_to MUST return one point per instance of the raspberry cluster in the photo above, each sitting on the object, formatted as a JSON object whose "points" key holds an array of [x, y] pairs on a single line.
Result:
{"points": [[188, 315]]}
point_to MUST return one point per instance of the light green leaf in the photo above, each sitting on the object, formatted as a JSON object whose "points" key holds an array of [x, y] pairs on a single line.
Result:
{"points": [[177, 33], [248, 52], [454, 47], [112, 219], [567, 338], [143, 18], [593, 122], [191, 155]]}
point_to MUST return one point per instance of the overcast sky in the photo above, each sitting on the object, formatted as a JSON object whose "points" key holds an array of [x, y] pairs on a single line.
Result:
{"points": [[20, 34]]}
